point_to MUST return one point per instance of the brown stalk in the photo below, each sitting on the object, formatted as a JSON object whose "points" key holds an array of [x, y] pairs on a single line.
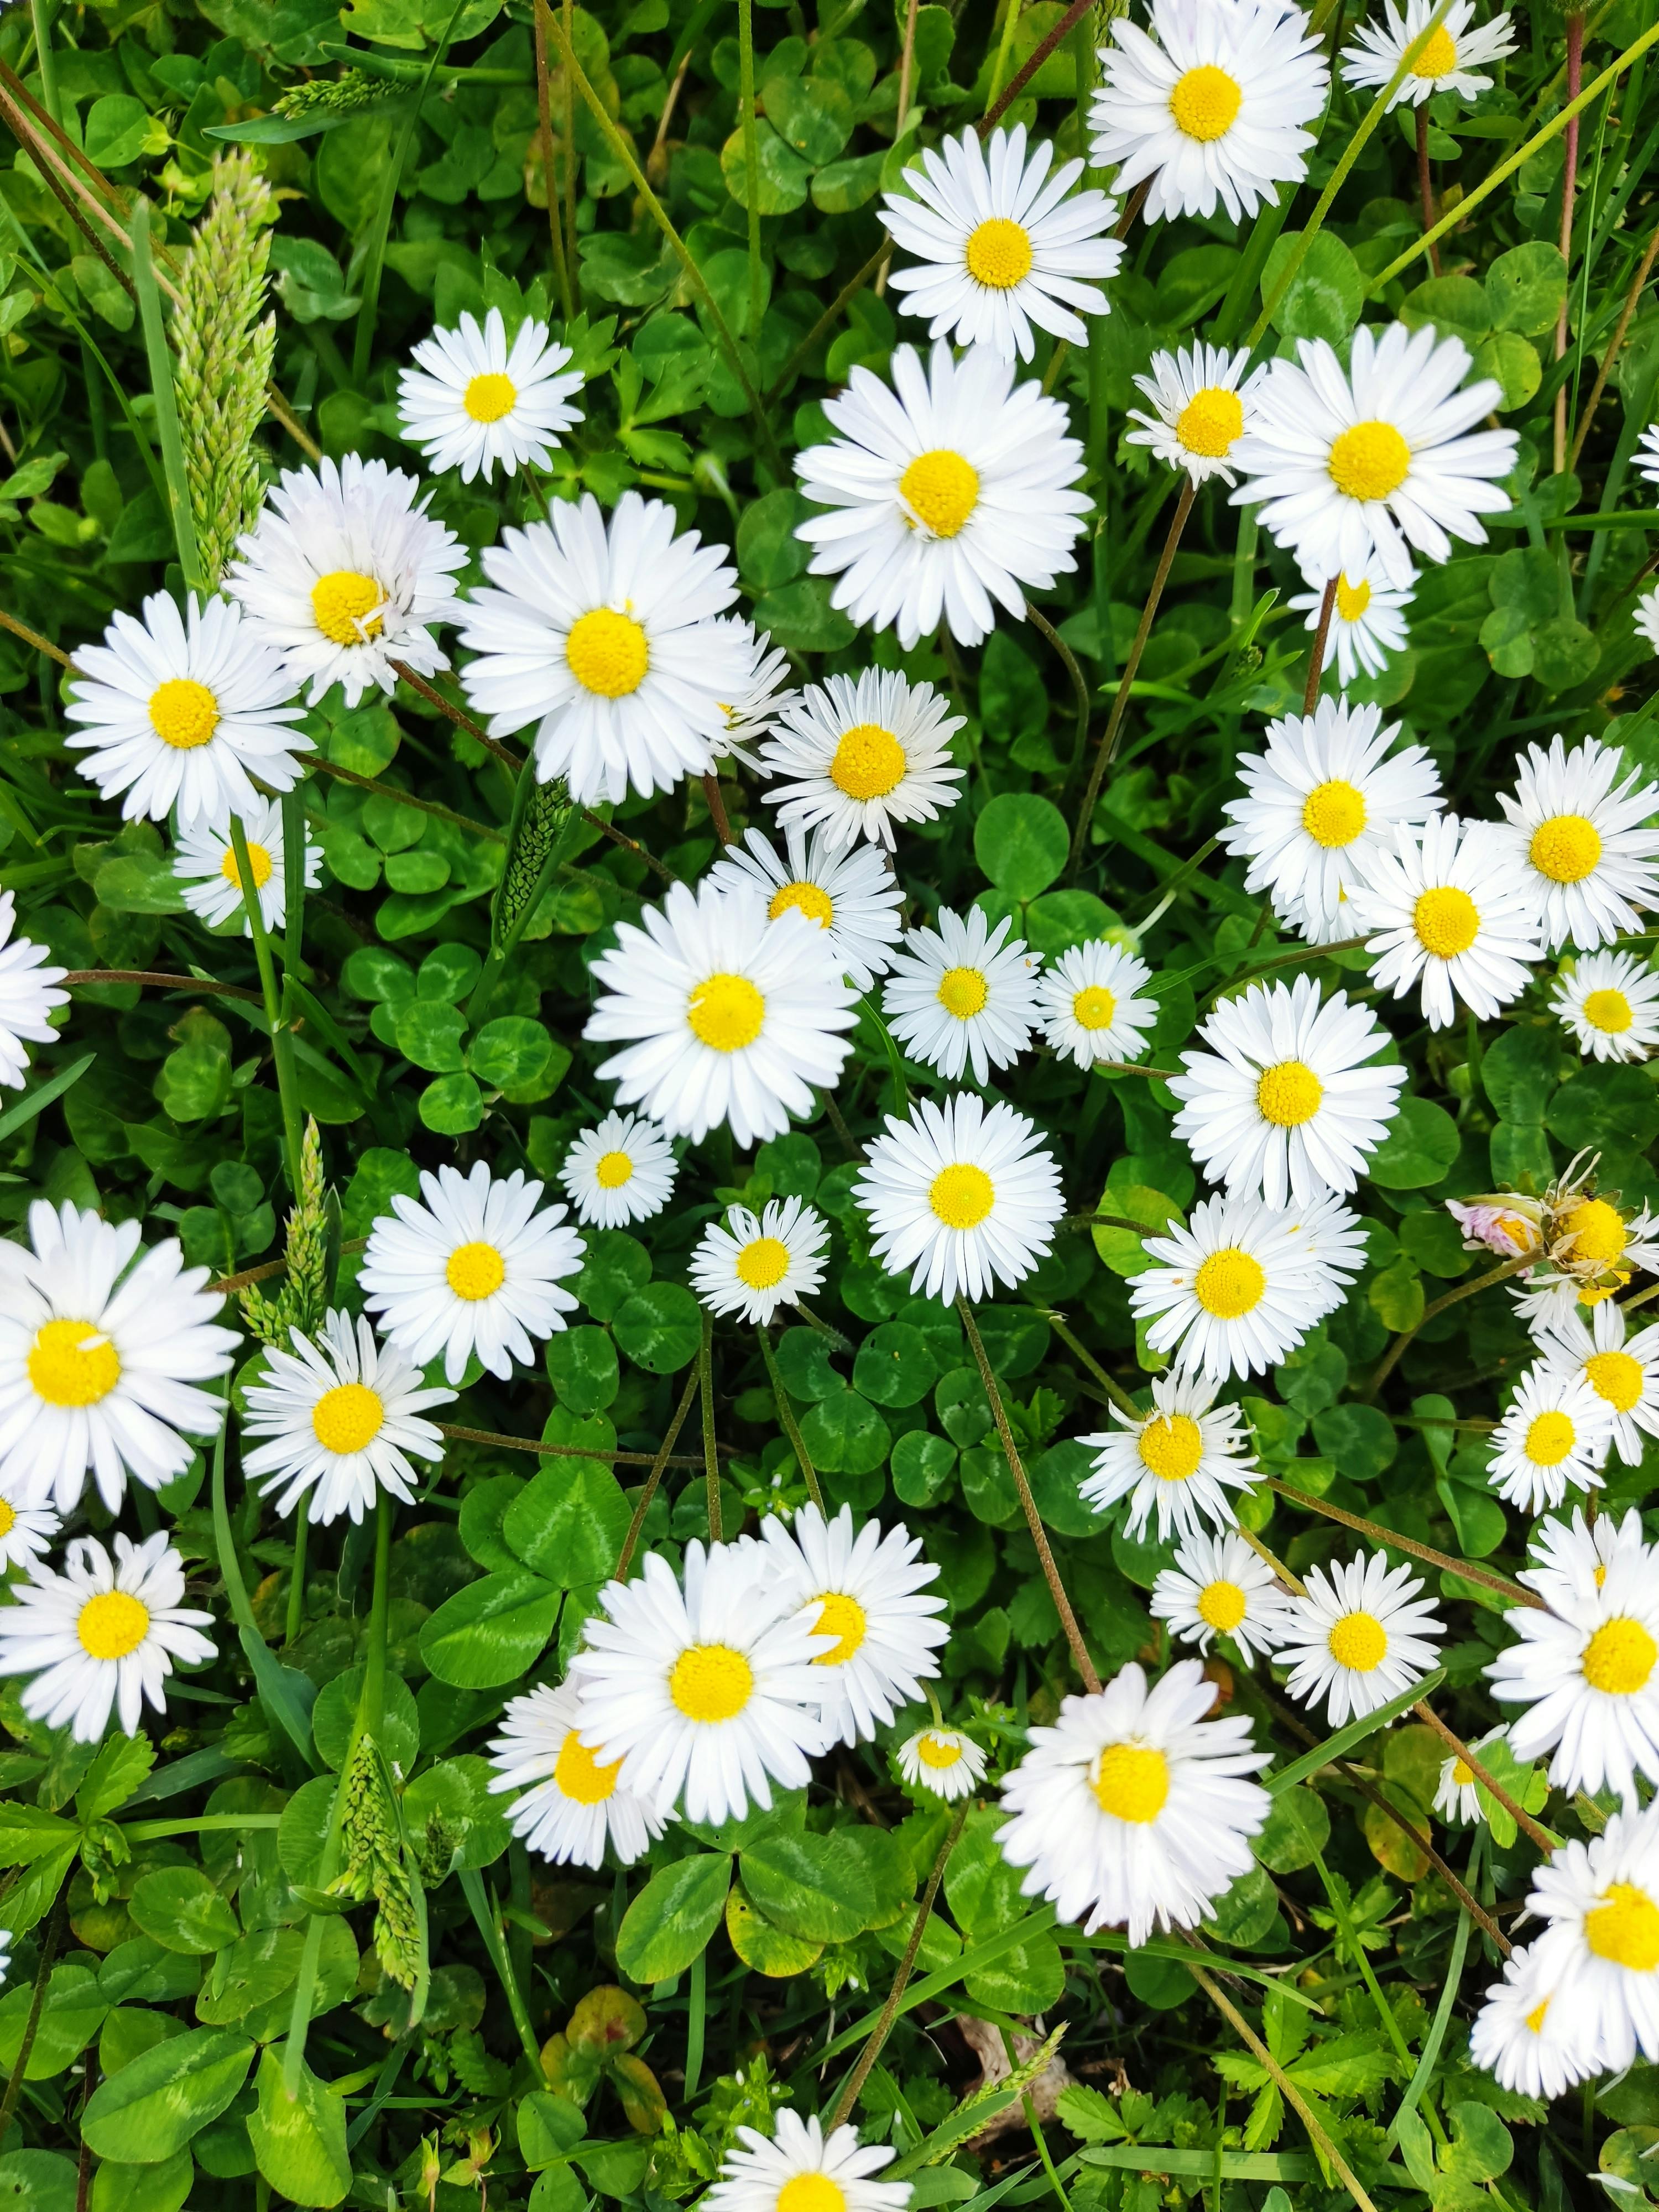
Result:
{"points": [[78, 976], [1390, 1359], [1499, 1583], [1425, 183], [560, 1451], [1644, 271], [1569, 191], [1546, 1842], [664, 1452], [1321, 635]]}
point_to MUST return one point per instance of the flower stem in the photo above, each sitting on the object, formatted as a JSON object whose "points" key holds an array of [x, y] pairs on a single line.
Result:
{"points": [[791, 1426], [1390, 1359], [711, 1465], [1425, 183], [1080, 686], [282, 1040], [294, 1625], [751, 174], [544, 121], [630, 1542], [1321, 638], [1119, 1396], [1499, 1583], [49, 1944], [1569, 192], [1546, 1842]]}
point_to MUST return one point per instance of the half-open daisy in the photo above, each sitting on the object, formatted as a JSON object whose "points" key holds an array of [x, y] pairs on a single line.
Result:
{"points": [[1358, 1637], [1368, 621], [961, 1195], [1601, 1945], [210, 878], [801, 2170], [1573, 827], [1556, 1430], [1219, 1587], [26, 1533], [851, 893], [1454, 1797], [1527, 2041], [1609, 1001], [1182, 1457], [1623, 1371], [862, 756], [1449, 60], [471, 399], [571, 1807], [1089, 1004], [103, 1634], [963, 996], [620, 1170], [1583, 1670], [27, 996], [943, 1761], [1200, 409], [1448, 909], [1568, 1559], [1235, 1290], [751, 1264]]}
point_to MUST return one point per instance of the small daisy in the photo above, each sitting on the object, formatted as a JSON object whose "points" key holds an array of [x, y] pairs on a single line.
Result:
{"points": [[103, 1347], [963, 996], [1569, 1561], [206, 867], [604, 640], [1181, 1457], [103, 1634], [1449, 909], [799, 2170], [7, 1939], [1089, 1004], [1004, 244], [1556, 1430], [1456, 1798], [1200, 409], [1609, 1002], [620, 1170], [942, 1761], [345, 573], [1238, 1288], [1622, 1372], [27, 1533], [949, 491], [864, 755], [1585, 1672], [181, 710], [1531, 2043], [1573, 829], [1647, 617], [472, 400], [1601, 1900], [474, 1270], [726, 1016], [1368, 621], [1133, 1808], [341, 1417], [1450, 60], [1219, 1587], [851, 893], [27, 996], [963, 1195], [1358, 1637], [757, 705], [572, 1807], [1352, 465], [753, 1264], [1646, 461], [707, 1694]]}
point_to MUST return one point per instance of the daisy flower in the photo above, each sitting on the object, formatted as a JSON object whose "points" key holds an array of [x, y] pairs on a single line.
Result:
{"points": [[1646, 615], [1601, 1900], [1367, 624], [604, 641], [1609, 1002], [346, 572], [1448, 910], [103, 1346], [1593, 1247], [1491, 1225], [1181, 1457], [1456, 1798], [705, 1693], [1200, 410], [27, 996], [1003, 244], [949, 491], [726, 1016], [471, 399], [1219, 1587], [475, 1269], [1584, 1671], [572, 1807], [1089, 1004], [1450, 60], [757, 705], [851, 893], [26, 1533], [102, 1634], [1569, 1560], [962, 1195], [863, 754], [1352, 465], [341, 1418], [1133, 1808], [6, 1940], [1623, 1371], [210, 879], [942, 1761], [181, 709], [620, 1170], [1573, 828], [1238, 1288], [963, 996], [1358, 1637], [753, 1264], [799, 2170], [1556, 1430], [1646, 458], [1521, 2036]]}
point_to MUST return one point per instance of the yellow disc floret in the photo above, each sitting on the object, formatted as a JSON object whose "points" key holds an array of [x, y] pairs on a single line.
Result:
{"points": [[71, 1362], [1204, 103], [961, 1196], [869, 761], [258, 862], [1619, 1658], [1288, 1094], [343, 606], [348, 1417], [1608, 1010], [474, 1272], [579, 1775], [1210, 421], [490, 395], [1447, 921], [1352, 599], [1598, 1232], [1171, 1446], [812, 2192], [843, 1618], [810, 899], [1438, 57], [763, 1262], [1229, 1283], [1369, 461], [711, 1682], [612, 1169], [1550, 1438], [1131, 1781], [726, 1012], [941, 490], [1094, 1007], [113, 1624], [607, 653], [1221, 1605], [998, 253], [963, 992], [1566, 848], [1616, 1377], [1334, 813], [183, 712], [1624, 1928], [1358, 1642]]}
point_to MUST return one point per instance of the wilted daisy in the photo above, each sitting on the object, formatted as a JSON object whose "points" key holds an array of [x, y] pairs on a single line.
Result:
{"points": [[1622, 1370], [862, 755], [472, 399], [963, 996], [1600, 1901], [1200, 410], [103, 1346], [1571, 1559], [1182, 1457], [1448, 909], [26, 1533], [851, 893], [1003, 244], [341, 1418], [1219, 1587], [1646, 616], [1358, 1637], [1238, 1288], [942, 1761], [1590, 1247], [572, 1808], [1367, 622], [949, 490], [209, 875], [726, 1016], [1573, 829], [756, 706], [102, 1634], [962, 1196], [181, 709], [751, 1264], [799, 2170], [471, 1267], [27, 996], [1450, 58], [1583, 1672], [1089, 1004], [1609, 1001], [1349, 465], [620, 1170], [603, 639], [345, 573], [1134, 1809], [1556, 1430], [1529, 2042]]}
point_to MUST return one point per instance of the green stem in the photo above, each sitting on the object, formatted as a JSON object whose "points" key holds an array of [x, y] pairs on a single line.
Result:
{"points": [[1500, 1584], [630, 1542], [49, 1944], [293, 879], [569, 120], [1079, 685], [751, 171], [46, 60], [711, 1464], [1027, 2106], [373, 1720], [829, 317], [545, 119], [878, 2034], [160, 358], [375, 264], [282, 1040], [697, 2014], [1431, 2053], [791, 1426], [294, 1626], [483, 1912]]}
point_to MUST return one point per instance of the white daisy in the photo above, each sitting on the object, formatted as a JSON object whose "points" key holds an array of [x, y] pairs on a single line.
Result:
{"points": [[851, 892], [949, 491], [572, 1807], [6, 1940], [1219, 1587], [963, 996], [345, 573], [102, 1634], [1534, 2045], [102, 1347], [26, 1533], [1004, 244], [1646, 459], [604, 641], [1367, 624], [205, 865], [1133, 1808], [1200, 409], [1623, 1371], [755, 708], [1585, 1672], [798, 2170], [341, 1417], [1238, 1288], [620, 1170], [1450, 61], [1447, 909], [1556, 1430], [1352, 465], [1089, 1004], [27, 996], [1646, 615], [1456, 1798], [752, 1264], [181, 710], [962, 1194], [1573, 829], [1602, 1902], [1181, 1457], [476, 1269], [727, 1016], [1571, 1560], [472, 400], [1359, 1637], [1609, 1002], [707, 1694], [942, 1761], [863, 754], [1333, 1239]]}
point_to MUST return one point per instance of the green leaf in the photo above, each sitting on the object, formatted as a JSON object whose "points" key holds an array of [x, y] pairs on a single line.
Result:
{"points": [[783, 175], [769, 552], [1324, 298], [510, 1051], [1021, 841], [335, 1713], [453, 1105], [71, 2016], [614, 1266], [895, 1366], [1419, 1147], [1297, 1830], [659, 1327], [300, 2145], [122, 1763], [162, 2188], [1457, 306], [1513, 365], [582, 1367], [845, 1434], [429, 1032], [152, 2108], [46, 2181], [178, 1908], [1519, 1071], [812, 115], [492, 1632], [27, 1832], [824, 1889], [1526, 287], [669, 1922], [567, 1524], [117, 128]]}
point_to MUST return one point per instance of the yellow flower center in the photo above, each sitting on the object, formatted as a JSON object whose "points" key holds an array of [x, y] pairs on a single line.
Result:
{"points": [[1289, 1095], [183, 712], [1624, 1928], [1358, 1642], [1619, 1658], [941, 490], [1131, 1781], [347, 1417], [474, 1272], [963, 992], [869, 761], [1229, 1283], [1094, 1007], [1598, 1232], [1615, 1376], [1550, 1439], [999, 253], [1609, 1012], [961, 1196], [1334, 813], [8, 1517], [1463, 1774], [810, 899], [72, 1364], [1535, 2017], [1205, 102], [1369, 461], [488, 397], [1566, 848], [612, 1170], [1447, 921], [1438, 58], [1171, 1447], [1221, 1605], [843, 1618], [938, 1751], [763, 1263], [812, 2192], [576, 1772], [1210, 421], [342, 604], [726, 1012], [607, 653], [1352, 599], [259, 862], [111, 1625], [711, 1682]]}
